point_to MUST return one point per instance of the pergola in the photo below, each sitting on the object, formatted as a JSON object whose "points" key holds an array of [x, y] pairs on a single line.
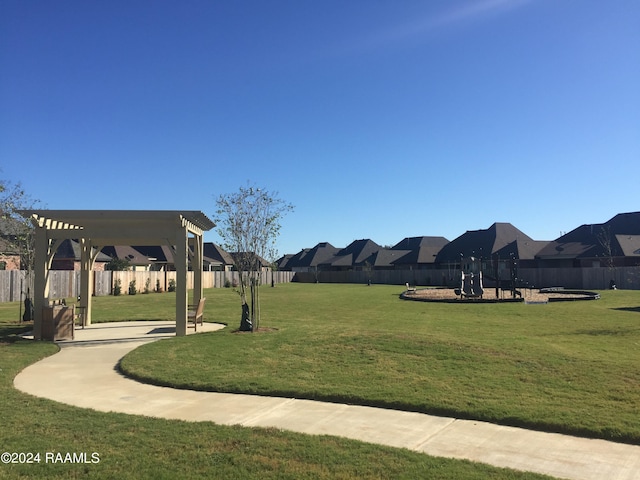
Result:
{"points": [[94, 229]]}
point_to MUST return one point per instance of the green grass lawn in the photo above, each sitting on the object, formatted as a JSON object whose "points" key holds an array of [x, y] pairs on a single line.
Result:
{"points": [[568, 367], [135, 447]]}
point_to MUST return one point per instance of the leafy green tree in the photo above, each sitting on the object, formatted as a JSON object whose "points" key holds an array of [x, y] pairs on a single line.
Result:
{"points": [[16, 228], [249, 224], [117, 265]]}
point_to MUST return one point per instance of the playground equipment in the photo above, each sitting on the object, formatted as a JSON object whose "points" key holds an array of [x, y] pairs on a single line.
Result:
{"points": [[471, 278], [471, 285]]}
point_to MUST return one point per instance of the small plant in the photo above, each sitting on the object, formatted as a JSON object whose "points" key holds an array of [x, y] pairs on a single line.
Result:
{"points": [[117, 288], [158, 287], [172, 285], [147, 286], [227, 283], [132, 287]]}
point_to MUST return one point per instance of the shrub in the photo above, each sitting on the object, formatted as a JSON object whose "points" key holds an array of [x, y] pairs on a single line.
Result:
{"points": [[132, 287], [117, 287], [147, 286], [158, 287], [172, 285]]}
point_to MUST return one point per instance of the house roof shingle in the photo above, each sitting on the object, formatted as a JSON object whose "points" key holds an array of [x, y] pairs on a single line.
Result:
{"points": [[312, 257], [589, 241], [356, 253], [502, 239], [215, 253], [420, 250]]}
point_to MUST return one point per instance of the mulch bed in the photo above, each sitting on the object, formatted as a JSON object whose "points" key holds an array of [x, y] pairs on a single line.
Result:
{"points": [[528, 295]]}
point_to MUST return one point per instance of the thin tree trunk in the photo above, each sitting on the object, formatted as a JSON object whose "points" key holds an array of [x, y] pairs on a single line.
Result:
{"points": [[258, 303]]}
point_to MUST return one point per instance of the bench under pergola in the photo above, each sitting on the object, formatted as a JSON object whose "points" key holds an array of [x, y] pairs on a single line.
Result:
{"points": [[95, 229]]}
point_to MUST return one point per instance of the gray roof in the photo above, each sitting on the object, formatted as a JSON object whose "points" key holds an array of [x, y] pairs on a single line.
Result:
{"points": [[163, 254], [387, 257], [419, 250], [590, 240], [217, 254], [159, 254], [70, 250], [248, 259], [629, 244], [501, 239], [126, 252], [283, 261], [356, 253], [312, 257]]}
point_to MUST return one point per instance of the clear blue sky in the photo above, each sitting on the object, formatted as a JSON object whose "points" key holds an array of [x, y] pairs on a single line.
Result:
{"points": [[376, 119]]}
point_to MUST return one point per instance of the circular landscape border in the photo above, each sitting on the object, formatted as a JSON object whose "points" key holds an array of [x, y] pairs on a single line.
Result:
{"points": [[526, 295]]}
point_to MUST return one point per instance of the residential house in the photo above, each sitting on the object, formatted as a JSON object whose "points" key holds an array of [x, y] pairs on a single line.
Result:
{"points": [[245, 259], [420, 252], [216, 259], [500, 240], [159, 257], [67, 257], [356, 256], [137, 260], [615, 243], [284, 262], [497, 247], [308, 259]]}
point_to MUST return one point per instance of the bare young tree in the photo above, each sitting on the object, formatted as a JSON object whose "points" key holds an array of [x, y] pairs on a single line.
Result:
{"points": [[249, 224], [606, 242]]}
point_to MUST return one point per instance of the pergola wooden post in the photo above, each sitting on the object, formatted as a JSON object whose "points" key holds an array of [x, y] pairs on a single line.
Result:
{"points": [[182, 300], [197, 256], [88, 256], [97, 228]]}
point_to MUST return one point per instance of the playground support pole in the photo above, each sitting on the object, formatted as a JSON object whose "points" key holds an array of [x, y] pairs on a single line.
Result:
{"points": [[496, 265]]}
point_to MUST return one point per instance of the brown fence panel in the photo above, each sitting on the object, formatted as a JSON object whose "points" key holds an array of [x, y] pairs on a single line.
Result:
{"points": [[596, 278], [14, 285], [552, 277], [62, 283], [385, 277]]}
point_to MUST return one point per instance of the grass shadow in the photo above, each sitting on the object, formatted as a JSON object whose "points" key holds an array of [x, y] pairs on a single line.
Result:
{"points": [[608, 332], [9, 332], [628, 309]]}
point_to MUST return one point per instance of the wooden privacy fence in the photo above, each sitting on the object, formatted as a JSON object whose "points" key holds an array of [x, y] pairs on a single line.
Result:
{"points": [[596, 278], [66, 283], [387, 277], [13, 285]]}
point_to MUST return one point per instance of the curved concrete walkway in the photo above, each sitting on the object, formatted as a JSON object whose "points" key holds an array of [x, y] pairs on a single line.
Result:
{"points": [[83, 374]]}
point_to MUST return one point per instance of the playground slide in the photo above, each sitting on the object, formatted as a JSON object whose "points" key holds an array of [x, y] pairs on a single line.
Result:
{"points": [[471, 285]]}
